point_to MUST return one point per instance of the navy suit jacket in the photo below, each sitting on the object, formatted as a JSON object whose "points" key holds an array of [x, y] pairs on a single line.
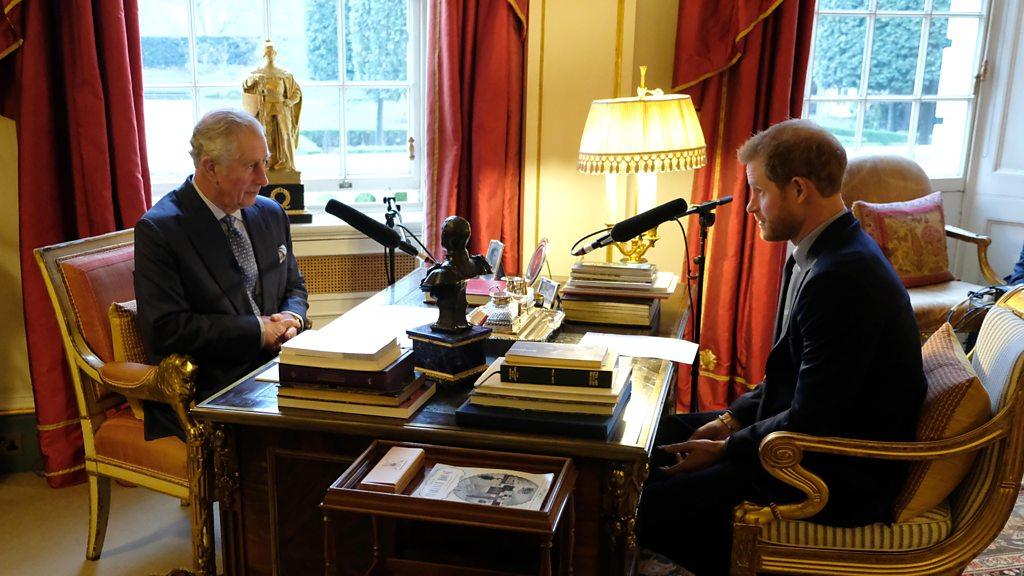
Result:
{"points": [[189, 288], [848, 364]]}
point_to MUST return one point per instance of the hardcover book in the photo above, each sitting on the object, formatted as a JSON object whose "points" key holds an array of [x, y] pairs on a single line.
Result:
{"points": [[664, 286], [572, 406], [395, 470], [534, 422], [354, 395], [404, 410], [366, 350], [555, 355], [490, 383], [393, 377], [601, 377]]}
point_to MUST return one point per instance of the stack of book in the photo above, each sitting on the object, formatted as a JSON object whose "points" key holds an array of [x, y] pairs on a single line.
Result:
{"points": [[551, 387], [352, 373], [624, 294]]}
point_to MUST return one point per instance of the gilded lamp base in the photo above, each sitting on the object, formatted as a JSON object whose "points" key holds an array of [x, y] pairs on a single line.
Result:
{"points": [[633, 250]]}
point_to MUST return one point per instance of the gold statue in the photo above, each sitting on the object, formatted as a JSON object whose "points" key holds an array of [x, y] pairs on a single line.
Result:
{"points": [[272, 95]]}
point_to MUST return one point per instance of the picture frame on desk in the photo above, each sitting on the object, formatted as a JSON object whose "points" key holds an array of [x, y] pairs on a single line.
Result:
{"points": [[548, 290]]}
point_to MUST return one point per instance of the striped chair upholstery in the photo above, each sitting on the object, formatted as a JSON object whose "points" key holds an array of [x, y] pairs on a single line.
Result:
{"points": [[925, 530], [941, 541]]}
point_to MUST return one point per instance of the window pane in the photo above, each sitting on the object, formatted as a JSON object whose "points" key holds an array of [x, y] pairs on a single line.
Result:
{"points": [[957, 6], [894, 55], [903, 5], [305, 33], [843, 5], [377, 131], [940, 137], [168, 129], [215, 98], [839, 118], [319, 153], [376, 40], [229, 39], [163, 25], [838, 55], [950, 61], [886, 124]]}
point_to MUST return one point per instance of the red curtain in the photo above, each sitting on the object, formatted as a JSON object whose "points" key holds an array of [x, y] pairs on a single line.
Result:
{"points": [[476, 54], [75, 90], [744, 63]]}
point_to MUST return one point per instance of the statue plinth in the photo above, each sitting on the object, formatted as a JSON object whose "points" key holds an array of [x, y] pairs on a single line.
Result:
{"points": [[450, 359], [287, 189]]}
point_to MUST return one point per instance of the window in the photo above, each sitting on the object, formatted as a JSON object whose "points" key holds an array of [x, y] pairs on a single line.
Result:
{"points": [[897, 77], [356, 61]]}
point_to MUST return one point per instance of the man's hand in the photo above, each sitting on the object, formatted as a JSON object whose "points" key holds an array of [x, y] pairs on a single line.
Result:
{"points": [[278, 329], [694, 454]]}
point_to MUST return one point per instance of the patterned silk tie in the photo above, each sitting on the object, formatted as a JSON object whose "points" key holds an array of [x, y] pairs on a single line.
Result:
{"points": [[245, 258]]}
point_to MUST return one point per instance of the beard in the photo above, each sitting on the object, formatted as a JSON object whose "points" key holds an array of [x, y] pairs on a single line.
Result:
{"points": [[780, 227]]}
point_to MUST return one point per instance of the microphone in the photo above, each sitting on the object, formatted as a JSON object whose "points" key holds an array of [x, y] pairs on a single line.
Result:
{"points": [[375, 230], [632, 227], [707, 206]]}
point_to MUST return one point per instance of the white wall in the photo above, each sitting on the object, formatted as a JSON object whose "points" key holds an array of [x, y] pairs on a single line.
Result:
{"points": [[580, 51], [15, 385]]}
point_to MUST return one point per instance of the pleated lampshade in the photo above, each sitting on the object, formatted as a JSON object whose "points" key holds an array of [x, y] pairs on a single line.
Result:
{"points": [[638, 135]]}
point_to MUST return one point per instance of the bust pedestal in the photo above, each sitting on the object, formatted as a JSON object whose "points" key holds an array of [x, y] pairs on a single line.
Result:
{"points": [[449, 358]]}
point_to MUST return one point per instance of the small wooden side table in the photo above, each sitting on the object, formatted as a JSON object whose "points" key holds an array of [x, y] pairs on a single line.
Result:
{"points": [[547, 522]]}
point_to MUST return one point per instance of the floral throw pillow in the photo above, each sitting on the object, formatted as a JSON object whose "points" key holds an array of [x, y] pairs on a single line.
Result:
{"points": [[912, 235]]}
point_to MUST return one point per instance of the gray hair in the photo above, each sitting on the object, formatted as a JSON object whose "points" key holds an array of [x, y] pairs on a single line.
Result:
{"points": [[214, 135]]}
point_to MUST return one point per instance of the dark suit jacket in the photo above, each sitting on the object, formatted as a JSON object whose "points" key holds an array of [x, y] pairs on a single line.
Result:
{"points": [[189, 287], [849, 365]]}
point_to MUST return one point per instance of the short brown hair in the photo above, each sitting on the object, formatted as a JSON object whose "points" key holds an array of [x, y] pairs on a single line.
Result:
{"points": [[798, 148]]}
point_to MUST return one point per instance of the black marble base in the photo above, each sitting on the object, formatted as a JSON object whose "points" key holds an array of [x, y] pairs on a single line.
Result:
{"points": [[454, 359]]}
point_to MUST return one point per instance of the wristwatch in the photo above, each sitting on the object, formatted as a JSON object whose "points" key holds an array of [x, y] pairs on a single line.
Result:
{"points": [[730, 421]]}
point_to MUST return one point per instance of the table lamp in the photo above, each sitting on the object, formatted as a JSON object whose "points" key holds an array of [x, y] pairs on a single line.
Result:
{"points": [[643, 135]]}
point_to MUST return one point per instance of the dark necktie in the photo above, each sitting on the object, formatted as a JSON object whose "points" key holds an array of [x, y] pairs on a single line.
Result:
{"points": [[787, 277], [245, 258]]}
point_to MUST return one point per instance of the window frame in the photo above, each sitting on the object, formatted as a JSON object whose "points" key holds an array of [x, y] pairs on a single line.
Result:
{"points": [[319, 190], [862, 99]]}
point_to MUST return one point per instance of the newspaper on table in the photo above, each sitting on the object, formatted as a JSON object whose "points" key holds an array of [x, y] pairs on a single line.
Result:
{"points": [[489, 486]]}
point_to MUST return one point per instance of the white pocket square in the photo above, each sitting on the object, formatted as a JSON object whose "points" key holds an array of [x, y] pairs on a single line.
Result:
{"points": [[282, 253]]}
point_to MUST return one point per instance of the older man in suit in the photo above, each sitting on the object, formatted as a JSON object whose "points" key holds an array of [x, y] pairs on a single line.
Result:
{"points": [[215, 277], [846, 362]]}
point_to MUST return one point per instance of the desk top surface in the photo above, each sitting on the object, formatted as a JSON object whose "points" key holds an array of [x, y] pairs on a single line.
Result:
{"points": [[250, 402]]}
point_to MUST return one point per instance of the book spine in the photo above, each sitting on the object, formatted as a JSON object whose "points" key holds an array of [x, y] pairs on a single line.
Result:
{"points": [[308, 376], [556, 376]]}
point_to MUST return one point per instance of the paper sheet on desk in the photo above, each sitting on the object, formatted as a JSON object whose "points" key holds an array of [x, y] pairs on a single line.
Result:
{"points": [[396, 319], [271, 374], [674, 349]]}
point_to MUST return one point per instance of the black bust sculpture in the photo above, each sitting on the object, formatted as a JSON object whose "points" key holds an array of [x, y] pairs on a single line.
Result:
{"points": [[447, 281]]}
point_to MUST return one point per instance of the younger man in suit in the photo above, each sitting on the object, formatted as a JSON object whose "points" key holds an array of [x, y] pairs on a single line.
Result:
{"points": [[846, 362], [215, 277]]}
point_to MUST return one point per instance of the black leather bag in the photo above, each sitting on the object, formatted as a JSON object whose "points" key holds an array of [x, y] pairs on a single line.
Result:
{"points": [[966, 317]]}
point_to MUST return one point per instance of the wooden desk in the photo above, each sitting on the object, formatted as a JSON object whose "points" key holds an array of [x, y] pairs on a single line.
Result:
{"points": [[272, 469]]}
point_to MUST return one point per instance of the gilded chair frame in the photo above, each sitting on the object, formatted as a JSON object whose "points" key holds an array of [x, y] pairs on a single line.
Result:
{"points": [[781, 454], [172, 383]]}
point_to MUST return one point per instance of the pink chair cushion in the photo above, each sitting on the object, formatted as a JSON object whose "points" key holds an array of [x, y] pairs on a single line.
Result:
{"points": [[912, 236], [121, 438], [94, 281]]}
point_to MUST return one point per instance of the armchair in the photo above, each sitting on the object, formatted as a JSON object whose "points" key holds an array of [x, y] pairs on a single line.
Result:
{"points": [[884, 179], [84, 279], [943, 540]]}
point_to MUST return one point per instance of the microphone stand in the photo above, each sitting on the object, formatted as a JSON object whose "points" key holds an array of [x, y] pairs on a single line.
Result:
{"points": [[707, 220], [389, 218]]}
